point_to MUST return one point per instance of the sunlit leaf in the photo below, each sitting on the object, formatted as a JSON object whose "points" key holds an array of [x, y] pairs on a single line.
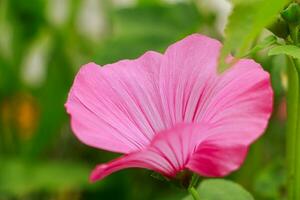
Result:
{"points": [[245, 22], [220, 189], [267, 42], [289, 50]]}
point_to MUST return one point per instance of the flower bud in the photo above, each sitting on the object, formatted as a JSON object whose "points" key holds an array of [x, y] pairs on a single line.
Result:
{"points": [[292, 14]]}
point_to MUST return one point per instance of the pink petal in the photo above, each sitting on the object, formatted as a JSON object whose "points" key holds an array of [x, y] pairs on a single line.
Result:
{"points": [[238, 107], [188, 67], [168, 153], [197, 147], [191, 91], [117, 107], [217, 158], [239, 103]]}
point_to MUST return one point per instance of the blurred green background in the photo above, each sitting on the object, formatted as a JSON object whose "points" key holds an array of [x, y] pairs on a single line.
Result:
{"points": [[42, 45]]}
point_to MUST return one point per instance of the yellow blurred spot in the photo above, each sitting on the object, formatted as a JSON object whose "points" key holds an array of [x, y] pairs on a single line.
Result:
{"points": [[284, 80], [19, 112], [26, 115]]}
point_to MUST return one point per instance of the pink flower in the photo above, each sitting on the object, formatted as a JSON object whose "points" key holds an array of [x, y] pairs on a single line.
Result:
{"points": [[172, 112]]}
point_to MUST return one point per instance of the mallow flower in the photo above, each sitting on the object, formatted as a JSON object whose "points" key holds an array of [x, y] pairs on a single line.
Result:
{"points": [[172, 112]]}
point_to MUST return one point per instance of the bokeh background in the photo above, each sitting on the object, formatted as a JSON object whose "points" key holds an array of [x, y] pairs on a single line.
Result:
{"points": [[42, 45]]}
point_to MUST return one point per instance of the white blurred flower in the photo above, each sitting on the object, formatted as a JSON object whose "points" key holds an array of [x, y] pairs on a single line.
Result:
{"points": [[91, 21], [222, 8], [34, 65], [124, 3], [58, 11]]}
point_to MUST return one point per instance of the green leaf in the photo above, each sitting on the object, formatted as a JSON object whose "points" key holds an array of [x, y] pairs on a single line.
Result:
{"points": [[267, 42], [245, 22], [220, 189], [289, 50]]}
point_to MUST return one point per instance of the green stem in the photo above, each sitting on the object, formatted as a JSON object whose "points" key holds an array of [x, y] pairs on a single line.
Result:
{"points": [[297, 145], [293, 130], [194, 183], [194, 193]]}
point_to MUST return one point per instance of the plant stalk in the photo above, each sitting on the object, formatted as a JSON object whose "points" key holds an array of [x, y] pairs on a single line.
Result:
{"points": [[293, 130], [194, 193], [194, 183]]}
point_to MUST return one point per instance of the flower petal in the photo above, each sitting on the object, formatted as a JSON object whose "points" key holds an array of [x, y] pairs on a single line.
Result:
{"points": [[240, 102], [238, 106], [197, 147], [188, 67], [167, 154], [216, 158], [117, 107]]}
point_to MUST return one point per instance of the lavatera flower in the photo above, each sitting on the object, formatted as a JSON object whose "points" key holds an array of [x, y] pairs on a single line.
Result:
{"points": [[172, 112]]}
